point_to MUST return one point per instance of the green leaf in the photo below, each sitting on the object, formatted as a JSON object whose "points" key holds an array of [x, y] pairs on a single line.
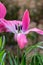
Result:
{"points": [[14, 59], [36, 60], [41, 55], [3, 42], [1, 54], [0, 42], [2, 57], [23, 61], [10, 59], [30, 48]]}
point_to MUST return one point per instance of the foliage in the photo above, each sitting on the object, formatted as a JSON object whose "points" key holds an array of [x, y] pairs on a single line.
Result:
{"points": [[2, 51]]}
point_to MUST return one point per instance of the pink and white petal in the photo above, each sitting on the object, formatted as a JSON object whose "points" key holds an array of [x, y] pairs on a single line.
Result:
{"points": [[17, 22], [15, 37], [2, 10], [21, 40], [8, 24], [2, 28], [26, 20], [12, 23], [35, 30]]}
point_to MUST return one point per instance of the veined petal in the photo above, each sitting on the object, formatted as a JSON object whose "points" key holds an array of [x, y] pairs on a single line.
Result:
{"points": [[8, 25], [26, 20], [2, 27], [2, 10], [35, 30], [22, 40]]}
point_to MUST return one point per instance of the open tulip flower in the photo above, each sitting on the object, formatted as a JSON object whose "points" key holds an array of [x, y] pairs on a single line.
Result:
{"points": [[19, 28]]}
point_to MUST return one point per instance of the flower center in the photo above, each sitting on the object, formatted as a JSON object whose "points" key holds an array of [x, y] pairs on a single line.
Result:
{"points": [[18, 28]]}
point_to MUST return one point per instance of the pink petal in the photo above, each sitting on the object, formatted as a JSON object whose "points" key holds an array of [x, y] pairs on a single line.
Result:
{"points": [[15, 37], [2, 10], [25, 20], [2, 27], [22, 40], [35, 30], [8, 25]]}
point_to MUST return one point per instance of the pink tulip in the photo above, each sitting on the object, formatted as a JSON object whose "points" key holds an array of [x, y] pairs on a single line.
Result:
{"points": [[20, 29]]}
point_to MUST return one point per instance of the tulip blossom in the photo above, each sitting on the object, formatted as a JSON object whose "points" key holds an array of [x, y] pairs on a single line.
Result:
{"points": [[19, 28]]}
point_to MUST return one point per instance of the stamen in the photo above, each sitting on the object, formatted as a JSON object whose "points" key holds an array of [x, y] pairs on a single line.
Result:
{"points": [[16, 27]]}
